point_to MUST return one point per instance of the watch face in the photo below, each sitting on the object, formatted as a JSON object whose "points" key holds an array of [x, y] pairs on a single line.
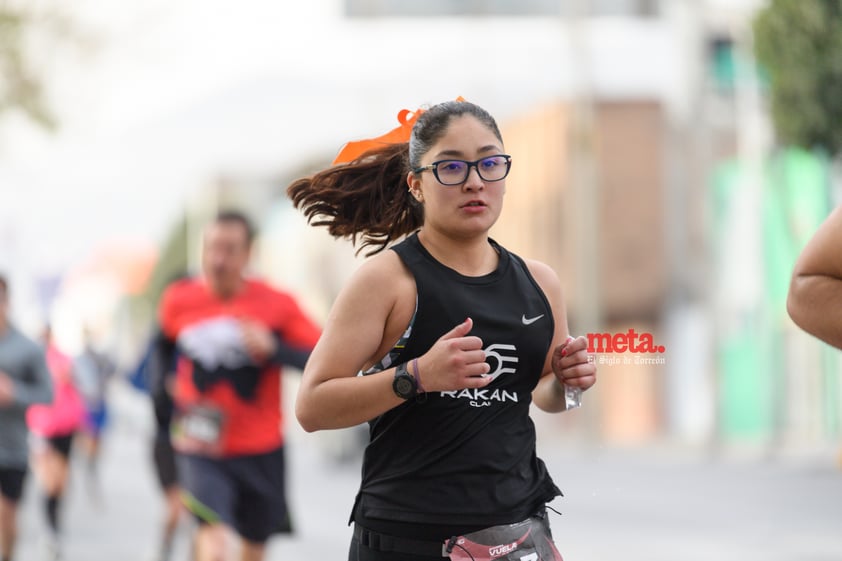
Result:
{"points": [[404, 384], [403, 387]]}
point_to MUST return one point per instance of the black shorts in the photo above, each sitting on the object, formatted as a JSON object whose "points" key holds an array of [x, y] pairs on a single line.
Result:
{"points": [[163, 456], [62, 444], [362, 552], [11, 482], [244, 492]]}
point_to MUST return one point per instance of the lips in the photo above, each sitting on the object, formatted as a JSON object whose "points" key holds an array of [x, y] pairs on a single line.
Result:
{"points": [[473, 204]]}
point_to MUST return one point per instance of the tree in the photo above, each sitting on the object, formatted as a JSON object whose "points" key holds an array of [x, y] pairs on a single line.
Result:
{"points": [[30, 34], [20, 86], [799, 44]]}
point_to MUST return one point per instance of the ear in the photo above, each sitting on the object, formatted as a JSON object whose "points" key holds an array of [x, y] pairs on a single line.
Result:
{"points": [[413, 182]]}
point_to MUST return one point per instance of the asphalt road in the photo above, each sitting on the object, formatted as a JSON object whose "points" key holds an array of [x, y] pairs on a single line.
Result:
{"points": [[647, 503]]}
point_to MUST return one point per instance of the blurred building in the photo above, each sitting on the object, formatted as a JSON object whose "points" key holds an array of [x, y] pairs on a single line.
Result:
{"points": [[645, 172]]}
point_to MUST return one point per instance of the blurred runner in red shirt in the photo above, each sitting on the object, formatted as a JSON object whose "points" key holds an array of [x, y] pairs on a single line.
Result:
{"points": [[232, 334]]}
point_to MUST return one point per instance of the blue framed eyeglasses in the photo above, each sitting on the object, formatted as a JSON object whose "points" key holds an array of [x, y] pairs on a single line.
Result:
{"points": [[455, 172]]}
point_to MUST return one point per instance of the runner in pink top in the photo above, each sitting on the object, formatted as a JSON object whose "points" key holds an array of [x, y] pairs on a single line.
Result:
{"points": [[65, 414], [53, 427]]}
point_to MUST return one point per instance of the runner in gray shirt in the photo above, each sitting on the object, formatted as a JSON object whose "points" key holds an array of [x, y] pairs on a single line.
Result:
{"points": [[24, 380]]}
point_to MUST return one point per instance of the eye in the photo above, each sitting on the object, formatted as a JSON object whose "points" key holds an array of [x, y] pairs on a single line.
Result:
{"points": [[451, 166], [493, 162]]}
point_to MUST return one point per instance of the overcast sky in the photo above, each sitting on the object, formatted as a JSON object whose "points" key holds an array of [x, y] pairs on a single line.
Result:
{"points": [[159, 97]]}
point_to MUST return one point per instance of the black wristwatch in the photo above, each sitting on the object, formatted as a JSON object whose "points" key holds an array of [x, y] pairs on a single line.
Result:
{"points": [[405, 385]]}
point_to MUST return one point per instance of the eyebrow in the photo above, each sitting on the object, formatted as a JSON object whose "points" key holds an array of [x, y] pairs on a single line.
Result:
{"points": [[457, 153]]}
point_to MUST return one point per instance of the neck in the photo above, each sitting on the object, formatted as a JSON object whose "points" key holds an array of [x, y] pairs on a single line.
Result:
{"points": [[226, 290], [471, 257], [4, 325]]}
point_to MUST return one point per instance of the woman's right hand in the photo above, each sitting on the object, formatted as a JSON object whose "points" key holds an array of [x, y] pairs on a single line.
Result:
{"points": [[456, 361]]}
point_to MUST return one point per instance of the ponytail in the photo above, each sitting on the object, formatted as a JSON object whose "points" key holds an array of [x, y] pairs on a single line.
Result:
{"points": [[365, 199], [368, 197]]}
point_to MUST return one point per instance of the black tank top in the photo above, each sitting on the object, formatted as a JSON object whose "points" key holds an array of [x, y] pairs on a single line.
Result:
{"points": [[463, 459]]}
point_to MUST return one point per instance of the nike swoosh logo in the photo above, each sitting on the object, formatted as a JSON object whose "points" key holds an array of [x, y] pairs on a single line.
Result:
{"points": [[527, 321]]}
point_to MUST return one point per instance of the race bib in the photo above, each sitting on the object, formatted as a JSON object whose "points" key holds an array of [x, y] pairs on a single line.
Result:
{"points": [[529, 540], [199, 430]]}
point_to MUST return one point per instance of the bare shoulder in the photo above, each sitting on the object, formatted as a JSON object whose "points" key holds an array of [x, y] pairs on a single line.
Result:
{"points": [[372, 310], [382, 270], [380, 280], [544, 275]]}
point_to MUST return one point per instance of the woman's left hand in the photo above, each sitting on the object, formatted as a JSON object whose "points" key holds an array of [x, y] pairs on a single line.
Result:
{"points": [[571, 364]]}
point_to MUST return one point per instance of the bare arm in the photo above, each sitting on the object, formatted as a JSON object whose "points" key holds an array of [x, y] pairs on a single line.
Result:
{"points": [[567, 361], [7, 390], [814, 301], [369, 315], [331, 394]]}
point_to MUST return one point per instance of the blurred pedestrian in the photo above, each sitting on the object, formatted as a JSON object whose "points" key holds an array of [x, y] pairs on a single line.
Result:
{"points": [[53, 429], [232, 333], [24, 381], [441, 344], [93, 370], [156, 369], [155, 375]]}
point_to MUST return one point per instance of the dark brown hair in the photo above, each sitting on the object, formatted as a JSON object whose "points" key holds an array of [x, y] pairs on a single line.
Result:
{"points": [[231, 216], [4, 285], [368, 198]]}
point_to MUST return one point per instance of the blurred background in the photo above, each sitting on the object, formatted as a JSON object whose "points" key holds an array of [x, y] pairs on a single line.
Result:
{"points": [[671, 158]]}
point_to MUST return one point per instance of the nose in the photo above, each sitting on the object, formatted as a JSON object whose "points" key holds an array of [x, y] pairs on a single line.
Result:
{"points": [[473, 181]]}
